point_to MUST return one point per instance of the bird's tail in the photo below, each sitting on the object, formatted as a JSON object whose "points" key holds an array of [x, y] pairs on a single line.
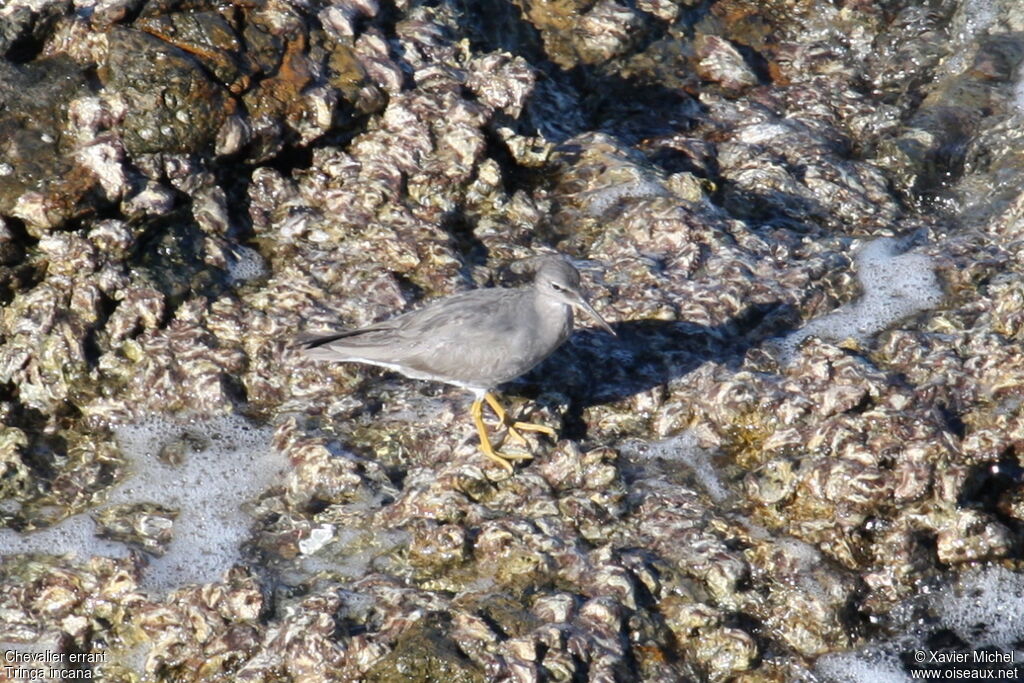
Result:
{"points": [[307, 341], [318, 345]]}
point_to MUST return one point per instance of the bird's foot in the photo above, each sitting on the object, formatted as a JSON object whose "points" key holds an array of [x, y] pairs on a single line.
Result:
{"points": [[504, 458], [531, 427], [513, 426], [513, 432]]}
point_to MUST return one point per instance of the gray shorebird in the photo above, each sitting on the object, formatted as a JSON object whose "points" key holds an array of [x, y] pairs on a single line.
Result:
{"points": [[475, 340]]}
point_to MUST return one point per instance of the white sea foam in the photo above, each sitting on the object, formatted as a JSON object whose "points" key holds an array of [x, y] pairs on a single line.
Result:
{"points": [[246, 264], [684, 448], [984, 607], [225, 461], [869, 665], [895, 286], [1018, 90]]}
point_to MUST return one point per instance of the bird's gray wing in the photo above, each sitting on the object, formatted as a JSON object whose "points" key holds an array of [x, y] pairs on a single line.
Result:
{"points": [[459, 320], [465, 316], [474, 338], [346, 344]]}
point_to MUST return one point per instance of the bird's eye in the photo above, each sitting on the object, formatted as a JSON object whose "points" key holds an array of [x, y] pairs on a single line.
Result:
{"points": [[557, 287]]}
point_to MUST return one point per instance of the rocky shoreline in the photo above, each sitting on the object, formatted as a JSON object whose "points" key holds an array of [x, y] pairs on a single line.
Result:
{"points": [[186, 184]]}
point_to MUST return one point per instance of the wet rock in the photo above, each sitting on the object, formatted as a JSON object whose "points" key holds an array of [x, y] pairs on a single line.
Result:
{"points": [[184, 187], [722, 63], [182, 114], [39, 182], [26, 27], [210, 38], [425, 653]]}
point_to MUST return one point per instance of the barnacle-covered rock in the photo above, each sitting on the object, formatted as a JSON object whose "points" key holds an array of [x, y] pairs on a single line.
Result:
{"points": [[585, 32], [41, 181], [722, 63], [183, 115], [145, 526], [185, 187], [424, 652], [16, 475]]}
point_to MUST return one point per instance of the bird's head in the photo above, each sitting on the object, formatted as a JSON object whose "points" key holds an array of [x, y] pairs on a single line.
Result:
{"points": [[557, 279]]}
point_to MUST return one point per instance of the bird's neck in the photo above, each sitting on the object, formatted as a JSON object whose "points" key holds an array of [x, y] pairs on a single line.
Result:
{"points": [[554, 318]]}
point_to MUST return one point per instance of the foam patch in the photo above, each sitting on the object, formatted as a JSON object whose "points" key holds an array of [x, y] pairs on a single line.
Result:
{"points": [[984, 607], [247, 264], [895, 286], [639, 186], [684, 448], [218, 465], [870, 665], [1018, 90]]}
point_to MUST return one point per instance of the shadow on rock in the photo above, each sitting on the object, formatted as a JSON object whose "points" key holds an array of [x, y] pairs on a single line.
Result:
{"points": [[594, 368]]}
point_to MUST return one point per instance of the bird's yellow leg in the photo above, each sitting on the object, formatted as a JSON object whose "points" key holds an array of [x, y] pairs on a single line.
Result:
{"points": [[531, 427], [496, 407], [477, 412], [503, 418], [513, 426]]}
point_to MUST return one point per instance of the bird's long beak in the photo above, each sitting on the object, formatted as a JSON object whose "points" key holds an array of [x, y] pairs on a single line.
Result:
{"points": [[582, 304]]}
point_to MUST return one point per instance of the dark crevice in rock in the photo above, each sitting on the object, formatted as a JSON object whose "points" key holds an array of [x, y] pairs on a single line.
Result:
{"points": [[460, 227], [169, 252], [22, 239], [23, 33], [995, 488]]}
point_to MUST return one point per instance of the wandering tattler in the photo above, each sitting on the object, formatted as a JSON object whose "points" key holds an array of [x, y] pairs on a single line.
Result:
{"points": [[475, 340]]}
